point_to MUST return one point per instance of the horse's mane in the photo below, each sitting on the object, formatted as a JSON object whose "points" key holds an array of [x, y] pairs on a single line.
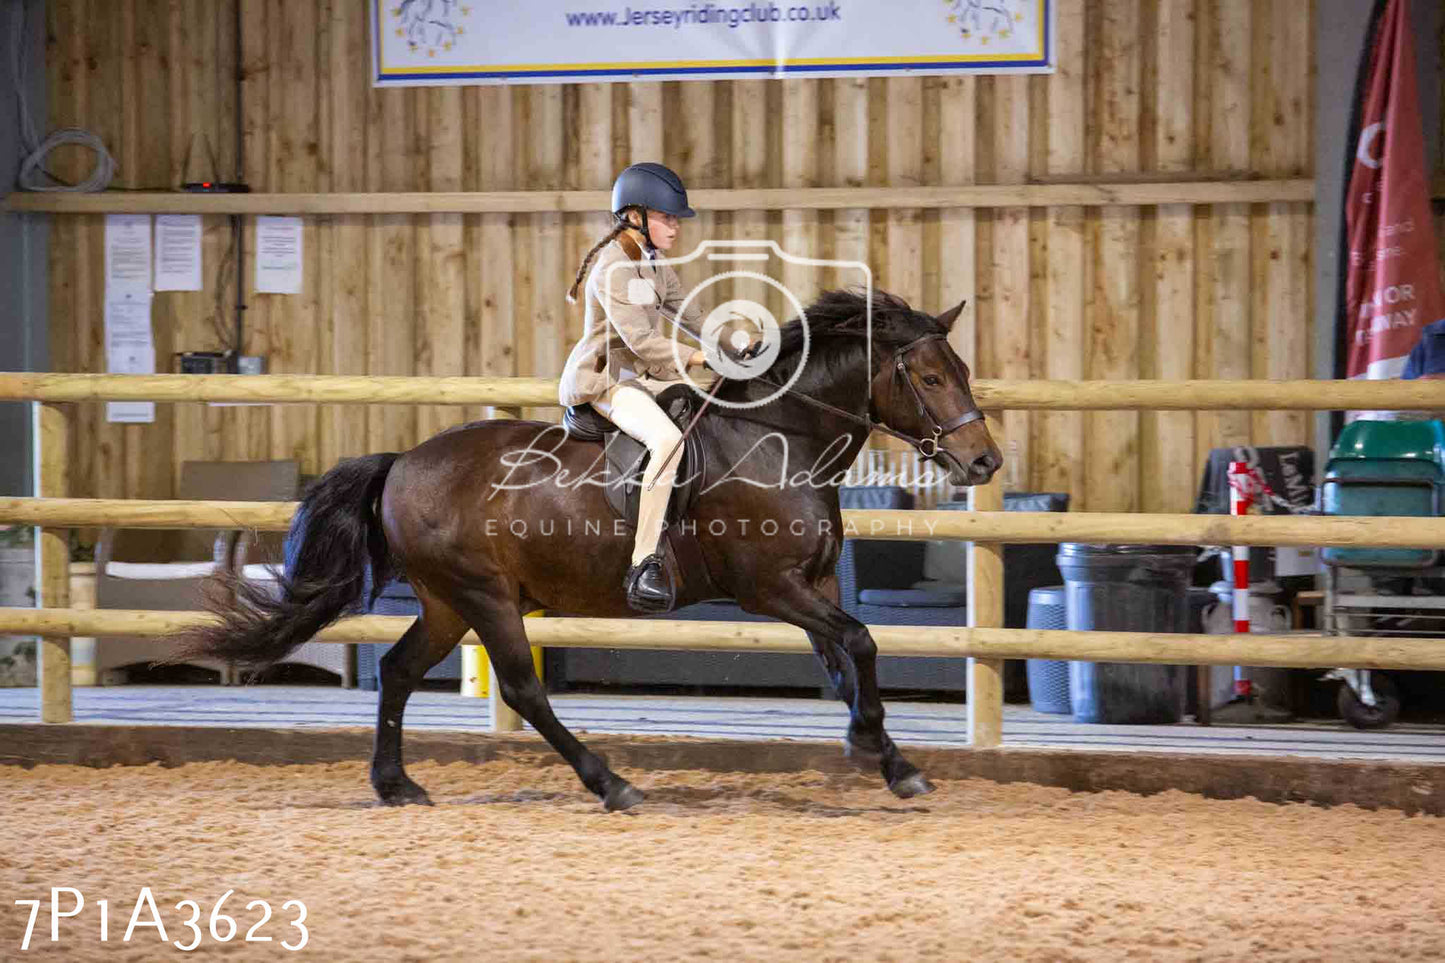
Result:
{"points": [[845, 312]]}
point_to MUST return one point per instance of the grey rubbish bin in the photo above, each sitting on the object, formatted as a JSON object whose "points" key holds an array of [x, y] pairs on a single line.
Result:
{"points": [[1128, 588], [1048, 679]]}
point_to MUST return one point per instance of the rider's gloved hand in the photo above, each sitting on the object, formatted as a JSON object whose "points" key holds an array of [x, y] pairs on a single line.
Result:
{"points": [[735, 355]]}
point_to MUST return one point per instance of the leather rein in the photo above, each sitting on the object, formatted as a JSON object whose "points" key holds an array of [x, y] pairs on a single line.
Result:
{"points": [[898, 365]]}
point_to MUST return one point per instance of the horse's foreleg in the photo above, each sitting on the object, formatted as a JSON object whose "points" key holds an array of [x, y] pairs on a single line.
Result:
{"points": [[497, 618], [426, 643], [836, 663], [831, 631]]}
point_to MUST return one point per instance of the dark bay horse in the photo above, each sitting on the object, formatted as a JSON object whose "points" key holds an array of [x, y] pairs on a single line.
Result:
{"points": [[447, 514]]}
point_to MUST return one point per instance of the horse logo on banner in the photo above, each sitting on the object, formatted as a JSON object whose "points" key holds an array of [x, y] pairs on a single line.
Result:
{"points": [[430, 25], [979, 21]]}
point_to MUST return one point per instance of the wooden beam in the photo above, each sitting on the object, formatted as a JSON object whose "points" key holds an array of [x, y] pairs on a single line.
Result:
{"points": [[1288, 651], [739, 199]]}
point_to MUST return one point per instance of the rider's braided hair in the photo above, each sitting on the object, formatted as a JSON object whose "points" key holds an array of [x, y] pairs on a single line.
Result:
{"points": [[617, 229]]}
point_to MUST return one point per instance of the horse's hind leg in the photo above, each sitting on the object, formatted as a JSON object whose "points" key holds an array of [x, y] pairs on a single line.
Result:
{"points": [[494, 612], [426, 643]]}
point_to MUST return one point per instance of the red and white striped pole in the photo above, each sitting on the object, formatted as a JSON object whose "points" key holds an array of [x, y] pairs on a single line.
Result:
{"points": [[1240, 499]]}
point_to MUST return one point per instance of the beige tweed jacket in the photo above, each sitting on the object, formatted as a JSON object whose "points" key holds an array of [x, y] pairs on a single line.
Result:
{"points": [[625, 325]]}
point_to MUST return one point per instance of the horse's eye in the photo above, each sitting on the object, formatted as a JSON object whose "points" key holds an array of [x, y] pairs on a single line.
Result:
{"points": [[933, 381]]}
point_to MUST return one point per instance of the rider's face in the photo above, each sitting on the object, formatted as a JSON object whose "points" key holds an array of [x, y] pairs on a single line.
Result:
{"points": [[663, 228]]}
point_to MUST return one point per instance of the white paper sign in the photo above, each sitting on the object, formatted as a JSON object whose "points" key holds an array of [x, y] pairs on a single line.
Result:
{"points": [[127, 254], [1297, 561], [178, 252], [129, 349], [278, 255]]}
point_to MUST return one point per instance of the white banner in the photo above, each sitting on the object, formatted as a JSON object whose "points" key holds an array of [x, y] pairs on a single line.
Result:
{"points": [[448, 42]]}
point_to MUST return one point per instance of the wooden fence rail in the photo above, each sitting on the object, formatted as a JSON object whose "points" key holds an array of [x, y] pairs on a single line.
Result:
{"points": [[542, 392], [986, 528], [1012, 528], [1287, 651]]}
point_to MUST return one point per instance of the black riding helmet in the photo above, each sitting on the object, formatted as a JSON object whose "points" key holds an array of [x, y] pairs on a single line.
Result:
{"points": [[651, 186], [647, 187]]}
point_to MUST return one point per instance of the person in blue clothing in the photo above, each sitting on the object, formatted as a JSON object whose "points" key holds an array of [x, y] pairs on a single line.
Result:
{"points": [[1427, 358]]}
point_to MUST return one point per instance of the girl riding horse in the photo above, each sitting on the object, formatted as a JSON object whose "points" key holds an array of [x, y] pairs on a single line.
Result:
{"points": [[479, 532], [628, 355]]}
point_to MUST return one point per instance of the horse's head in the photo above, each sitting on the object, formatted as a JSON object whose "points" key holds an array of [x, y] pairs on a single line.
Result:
{"points": [[920, 388]]}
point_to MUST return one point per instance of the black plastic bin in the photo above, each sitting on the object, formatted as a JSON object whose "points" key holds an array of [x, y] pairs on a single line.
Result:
{"points": [[1127, 588]]}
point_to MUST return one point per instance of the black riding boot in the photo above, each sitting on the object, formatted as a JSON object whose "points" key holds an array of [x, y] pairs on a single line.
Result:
{"points": [[649, 587]]}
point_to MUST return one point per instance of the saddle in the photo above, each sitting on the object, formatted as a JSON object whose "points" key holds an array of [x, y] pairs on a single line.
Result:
{"points": [[625, 458]]}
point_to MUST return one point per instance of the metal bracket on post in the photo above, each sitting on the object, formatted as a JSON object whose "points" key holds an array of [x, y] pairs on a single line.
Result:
{"points": [[51, 432], [985, 611]]}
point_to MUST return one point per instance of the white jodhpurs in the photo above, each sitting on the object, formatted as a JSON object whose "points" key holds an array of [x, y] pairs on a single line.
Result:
{"points": [[631, 407]]}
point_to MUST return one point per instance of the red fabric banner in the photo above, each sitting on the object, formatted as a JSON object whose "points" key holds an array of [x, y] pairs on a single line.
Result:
{"points": [[1392, 276]]}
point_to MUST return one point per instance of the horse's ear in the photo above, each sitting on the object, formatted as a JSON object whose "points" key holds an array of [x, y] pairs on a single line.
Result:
{"points": [[951, 315]]}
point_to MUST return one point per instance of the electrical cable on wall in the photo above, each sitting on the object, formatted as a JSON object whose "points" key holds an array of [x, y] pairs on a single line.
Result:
{"points": [[34, 174]]}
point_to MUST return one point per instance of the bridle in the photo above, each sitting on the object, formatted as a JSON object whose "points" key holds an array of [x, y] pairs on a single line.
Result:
{"points": [[896, 369]]}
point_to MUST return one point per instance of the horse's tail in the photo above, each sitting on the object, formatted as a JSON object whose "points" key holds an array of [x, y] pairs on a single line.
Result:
{"points": [[335, 534]]}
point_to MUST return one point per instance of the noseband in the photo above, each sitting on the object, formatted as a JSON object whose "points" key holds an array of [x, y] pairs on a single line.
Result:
{"points": [[897, 368]]}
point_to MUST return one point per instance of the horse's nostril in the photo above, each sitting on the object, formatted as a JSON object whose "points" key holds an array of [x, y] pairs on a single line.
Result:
{"points": [[985, 463]]}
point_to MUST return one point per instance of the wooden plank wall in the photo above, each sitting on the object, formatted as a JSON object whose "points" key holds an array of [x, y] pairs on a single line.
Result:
{"points": [[1145, 88]]}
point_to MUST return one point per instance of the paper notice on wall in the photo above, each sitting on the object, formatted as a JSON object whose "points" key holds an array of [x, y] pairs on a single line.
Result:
{"points": [[278, 255], [1290, 561], [127, 254], [178, 252], [129, 349]]}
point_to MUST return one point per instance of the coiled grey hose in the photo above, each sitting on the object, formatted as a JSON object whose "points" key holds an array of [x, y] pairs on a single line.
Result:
{"points": [[34, 176]]}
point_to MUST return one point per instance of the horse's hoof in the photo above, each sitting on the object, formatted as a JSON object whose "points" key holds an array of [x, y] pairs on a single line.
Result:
{"points": [[909, 786], [623, 795], [402, 793]]}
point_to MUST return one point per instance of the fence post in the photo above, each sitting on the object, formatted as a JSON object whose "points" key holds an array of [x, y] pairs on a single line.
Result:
{"points": [[503, 718], [985, 610], [51, 432]]}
